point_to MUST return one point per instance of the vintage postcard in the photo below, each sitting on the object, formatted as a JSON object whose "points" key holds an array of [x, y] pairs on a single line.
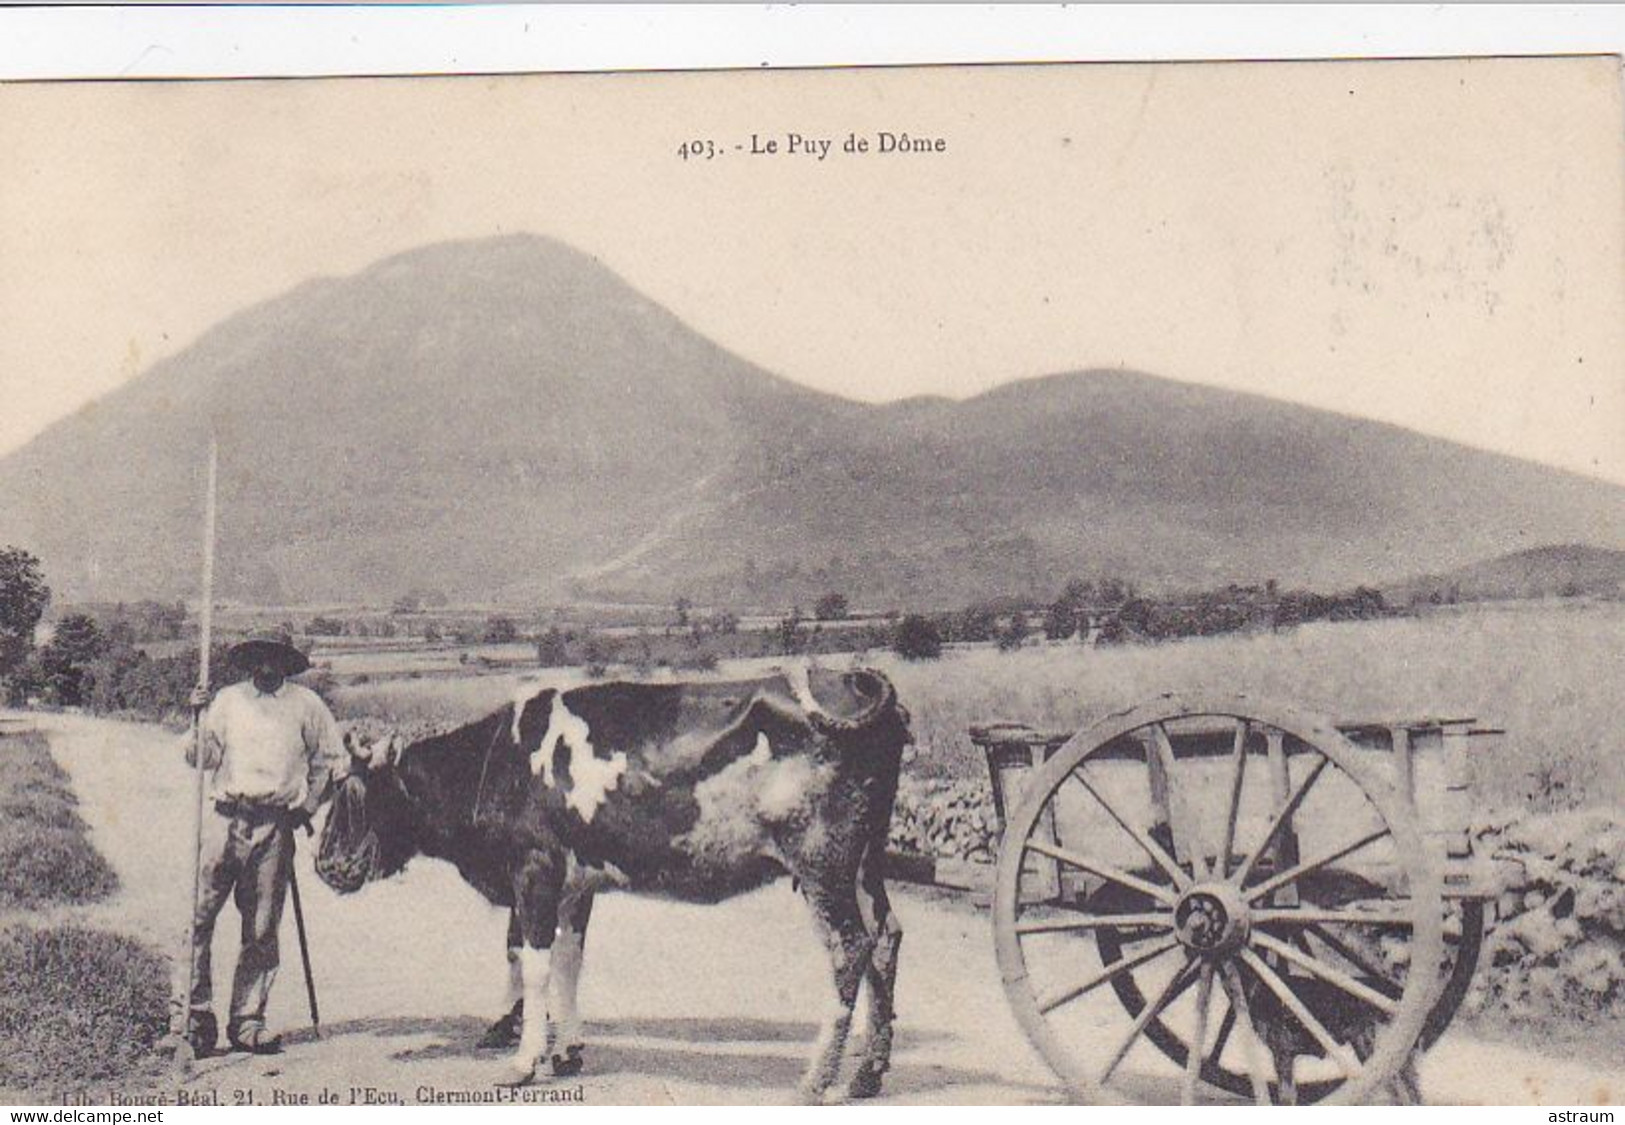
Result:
{"points": [[1006, 585]]}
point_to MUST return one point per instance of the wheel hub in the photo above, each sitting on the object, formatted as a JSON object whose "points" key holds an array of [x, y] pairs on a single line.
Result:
{"points": [[1211, 918]]}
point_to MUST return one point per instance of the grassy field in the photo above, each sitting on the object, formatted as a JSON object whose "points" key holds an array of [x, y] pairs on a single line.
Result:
{"points": [[77, 1005], [1549, 673], [44, 856]]}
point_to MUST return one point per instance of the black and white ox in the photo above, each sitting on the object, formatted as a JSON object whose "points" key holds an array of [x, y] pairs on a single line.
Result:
{"points": [[695, 791]]}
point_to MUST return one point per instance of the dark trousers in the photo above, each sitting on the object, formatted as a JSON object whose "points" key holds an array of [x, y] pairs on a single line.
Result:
{"points": [[247, 855]]}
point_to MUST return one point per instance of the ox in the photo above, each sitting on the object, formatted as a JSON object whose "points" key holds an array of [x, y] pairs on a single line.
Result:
{"points": [[695, 791]]}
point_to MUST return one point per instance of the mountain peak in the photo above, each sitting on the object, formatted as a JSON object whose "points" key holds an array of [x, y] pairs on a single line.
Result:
{"points": [[506, 417]]}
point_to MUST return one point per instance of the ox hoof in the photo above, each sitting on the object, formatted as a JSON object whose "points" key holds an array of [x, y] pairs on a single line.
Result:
{"points": [[809, 1095], [504, 1033], [865, 1084], [569, 1064]]}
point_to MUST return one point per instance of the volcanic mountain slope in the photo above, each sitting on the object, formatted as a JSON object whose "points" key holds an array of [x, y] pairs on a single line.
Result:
{"points": [[1562, 570], [507, 420]]}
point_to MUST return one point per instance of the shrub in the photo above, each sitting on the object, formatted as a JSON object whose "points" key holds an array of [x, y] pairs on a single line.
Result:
{"points": [[975, 623], [698, 660], [595, 658], [790, 635], [553, 648], [1013, 634], [500, 630], [831, 607], [128, 680], [917, 638], [64, 659], [1060, 622]]}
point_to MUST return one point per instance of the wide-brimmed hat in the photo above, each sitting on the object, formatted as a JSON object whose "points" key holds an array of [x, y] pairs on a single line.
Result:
{"points": [[274, 647]]}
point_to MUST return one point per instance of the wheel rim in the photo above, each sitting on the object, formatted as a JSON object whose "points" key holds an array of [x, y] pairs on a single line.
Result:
{"points": [[1461, 955], [1205, 902]]}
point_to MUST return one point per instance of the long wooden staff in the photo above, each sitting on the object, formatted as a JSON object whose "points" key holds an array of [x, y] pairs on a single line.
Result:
{"points": [[205, 642], [304, 949]]}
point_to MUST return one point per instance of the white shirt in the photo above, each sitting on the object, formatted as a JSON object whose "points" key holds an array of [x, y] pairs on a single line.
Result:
{"points": [[276, 748]]}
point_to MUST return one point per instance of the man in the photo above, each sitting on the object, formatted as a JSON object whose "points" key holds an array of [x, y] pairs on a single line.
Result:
{"points": [[274, 747]]}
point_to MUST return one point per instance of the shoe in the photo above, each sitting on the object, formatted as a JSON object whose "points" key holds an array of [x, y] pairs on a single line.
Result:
{"points": [[203, 1033], [255, 1040]]}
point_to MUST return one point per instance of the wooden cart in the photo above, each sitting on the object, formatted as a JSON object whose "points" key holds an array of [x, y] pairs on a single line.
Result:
{"points": [[1297, 897]]}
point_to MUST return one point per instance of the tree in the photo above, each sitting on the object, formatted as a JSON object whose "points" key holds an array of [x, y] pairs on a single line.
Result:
{"points": [[1070, 612], [500, 630], [1136, 617], [1060, 621], [790, 635], [73, 647], [594, 657], [916, 638], [1079, 593], [1012, 633], [1111, 631], [831, 607], [1114, 592], [976, 623], [23, 598], [682, 609], [552, 648], [76, 640]]}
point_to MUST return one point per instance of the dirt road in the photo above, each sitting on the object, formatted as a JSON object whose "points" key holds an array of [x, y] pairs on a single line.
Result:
{"points": [[685, 1004]]}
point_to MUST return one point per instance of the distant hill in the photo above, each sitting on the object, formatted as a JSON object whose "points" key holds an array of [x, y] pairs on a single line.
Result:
{"points": [[508, 420], [1569, 570]]}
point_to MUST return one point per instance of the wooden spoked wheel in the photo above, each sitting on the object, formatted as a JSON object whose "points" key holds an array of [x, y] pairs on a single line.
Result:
{"points": [[1263, 893], [1463, 941]]}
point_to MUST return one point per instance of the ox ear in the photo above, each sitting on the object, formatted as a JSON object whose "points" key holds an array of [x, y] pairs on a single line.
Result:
{"points": [[390, 751], [373, 754]]}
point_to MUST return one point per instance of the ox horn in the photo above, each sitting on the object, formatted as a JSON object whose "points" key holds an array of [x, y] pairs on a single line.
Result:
{"points": [[883, 703]]}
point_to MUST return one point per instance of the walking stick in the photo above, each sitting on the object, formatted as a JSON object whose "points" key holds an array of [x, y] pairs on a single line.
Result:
{"points": [[205, 640], [304, 945]]}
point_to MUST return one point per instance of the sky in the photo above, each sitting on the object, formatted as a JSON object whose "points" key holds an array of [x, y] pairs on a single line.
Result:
{"points": [[1440, 245]]}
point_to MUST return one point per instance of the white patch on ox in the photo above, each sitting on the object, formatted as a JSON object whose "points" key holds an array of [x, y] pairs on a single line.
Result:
{"points": [[786, 787], [523, 695], [565, 979], [591, 778], [739, 803], [534, 965], [762, 752]]}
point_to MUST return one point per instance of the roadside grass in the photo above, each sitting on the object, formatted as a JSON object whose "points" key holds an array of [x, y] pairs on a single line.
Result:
{"points": [[45, 856], [77, 1005]]}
